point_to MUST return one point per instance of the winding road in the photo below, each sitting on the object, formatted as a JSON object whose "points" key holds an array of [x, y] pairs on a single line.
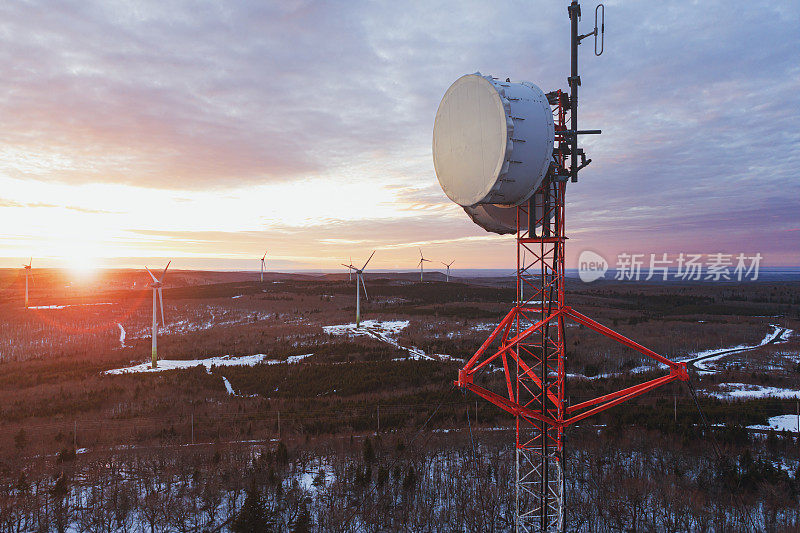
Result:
{"points": [[778, 335]]}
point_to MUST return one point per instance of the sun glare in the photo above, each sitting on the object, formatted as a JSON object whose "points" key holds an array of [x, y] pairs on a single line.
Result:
{"points": [[82, 267]]}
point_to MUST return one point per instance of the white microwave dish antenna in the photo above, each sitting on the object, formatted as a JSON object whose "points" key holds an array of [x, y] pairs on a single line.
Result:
{"points": [[502, 219], [492, 141]]}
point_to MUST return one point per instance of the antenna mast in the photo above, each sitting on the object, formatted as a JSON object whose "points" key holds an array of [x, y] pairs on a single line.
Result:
{"points": [[529, 341]]}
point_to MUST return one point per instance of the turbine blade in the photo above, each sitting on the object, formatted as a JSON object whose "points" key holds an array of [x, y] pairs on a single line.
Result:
{"points": [[365, 287], [161, 301], [420, 252], [165, 271], [368, 260], [151, 275]]}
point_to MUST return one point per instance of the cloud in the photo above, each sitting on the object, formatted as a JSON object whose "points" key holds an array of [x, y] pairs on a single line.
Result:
{"points": [[698, 104]]}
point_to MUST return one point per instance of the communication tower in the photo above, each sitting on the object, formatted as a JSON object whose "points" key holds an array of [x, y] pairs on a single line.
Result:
{"points": [[505, 151]]}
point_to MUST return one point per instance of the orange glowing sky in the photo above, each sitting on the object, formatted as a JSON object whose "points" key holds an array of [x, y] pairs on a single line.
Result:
{"points": [[208, 134]]}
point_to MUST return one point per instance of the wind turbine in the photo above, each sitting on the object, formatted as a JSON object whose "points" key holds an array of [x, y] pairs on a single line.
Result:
{"points": [[448, 268], [156, 285], [28, 273], [420, 264], [359, 277], [262, 266]]}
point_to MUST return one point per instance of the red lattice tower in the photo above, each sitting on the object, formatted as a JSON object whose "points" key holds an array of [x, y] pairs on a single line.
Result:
{"points": [[529, 341]]}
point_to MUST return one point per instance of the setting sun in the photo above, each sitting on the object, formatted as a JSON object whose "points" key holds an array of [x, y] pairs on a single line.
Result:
{"points": [[81, 263]]}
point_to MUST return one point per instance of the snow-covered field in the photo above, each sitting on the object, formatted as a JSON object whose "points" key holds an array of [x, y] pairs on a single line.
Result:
{"points": [[780, 423], [67, 305], [208, 363], [386, 331], [741, 391]]}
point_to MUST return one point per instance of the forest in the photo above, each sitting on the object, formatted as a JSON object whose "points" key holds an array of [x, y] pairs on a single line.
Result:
{"points": [[339, 430]]}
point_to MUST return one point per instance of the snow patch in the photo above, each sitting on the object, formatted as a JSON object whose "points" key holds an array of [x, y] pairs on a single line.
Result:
{"points": [[637, 370], [386, 331], [121, 335], [292, 359], [735, 391], [315, 477], [779, 423], [67, 305], [209, 363], [228, 386]]}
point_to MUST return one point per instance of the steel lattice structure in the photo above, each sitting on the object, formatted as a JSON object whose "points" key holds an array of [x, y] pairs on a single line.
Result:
{"points": [[529, 341]]}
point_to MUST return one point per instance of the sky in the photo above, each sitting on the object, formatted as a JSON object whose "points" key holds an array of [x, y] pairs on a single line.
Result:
{"points": [[209, 132]]}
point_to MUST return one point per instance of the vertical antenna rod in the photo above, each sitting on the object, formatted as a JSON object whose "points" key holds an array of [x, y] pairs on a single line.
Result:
{"points": [[574, 80]]}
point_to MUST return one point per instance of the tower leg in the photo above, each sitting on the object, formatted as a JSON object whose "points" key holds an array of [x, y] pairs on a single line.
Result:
{"points": [[154, 334], [539, 368], [358, 302]]}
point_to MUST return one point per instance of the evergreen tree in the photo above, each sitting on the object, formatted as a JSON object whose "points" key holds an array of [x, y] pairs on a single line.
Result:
{"points": [[410, 482], [20, 439], [253, 516], [369, 451], [303, 522]]}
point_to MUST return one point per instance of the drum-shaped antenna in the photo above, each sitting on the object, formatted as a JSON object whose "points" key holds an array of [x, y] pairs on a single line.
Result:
{"points": [[492, 141], [501, 219]]}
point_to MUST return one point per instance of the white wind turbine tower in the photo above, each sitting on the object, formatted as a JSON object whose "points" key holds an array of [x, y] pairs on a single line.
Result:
{"points": [[262, 266], [156, 285], [420, 264], [448, 268], [359, 278], [28, 273]]}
